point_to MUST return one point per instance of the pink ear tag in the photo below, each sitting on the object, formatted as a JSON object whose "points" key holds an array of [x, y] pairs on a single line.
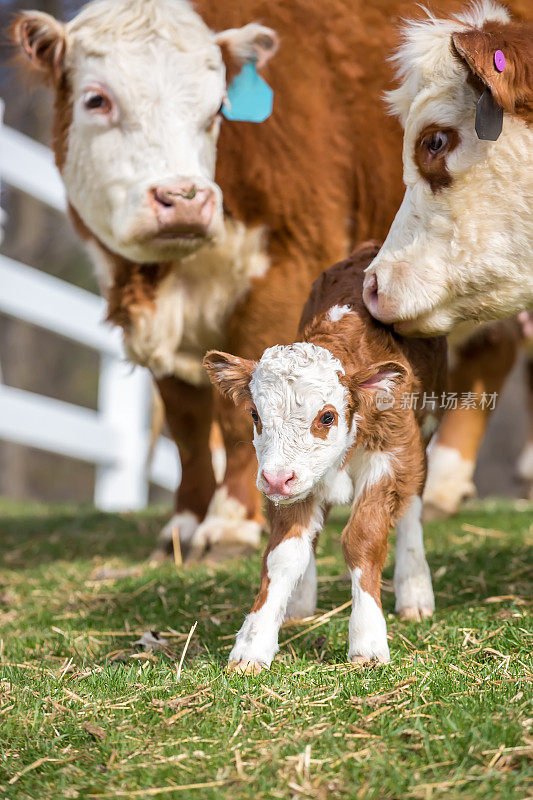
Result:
{"points": [[499, 60]]}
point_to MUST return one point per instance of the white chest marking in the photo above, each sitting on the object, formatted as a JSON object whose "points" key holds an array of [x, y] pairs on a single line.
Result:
{"points": [[337, 312], [367, 469], [193, 304]]}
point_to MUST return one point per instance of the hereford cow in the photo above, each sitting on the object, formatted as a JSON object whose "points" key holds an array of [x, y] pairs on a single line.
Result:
{"points": [[188, 261], [195, 250], [330, 427], [461, 245]]}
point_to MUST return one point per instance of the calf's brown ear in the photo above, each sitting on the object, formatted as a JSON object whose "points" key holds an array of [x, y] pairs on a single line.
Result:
{"points": [[42, 40], [388, 376], [231, 375], [501, 57]]}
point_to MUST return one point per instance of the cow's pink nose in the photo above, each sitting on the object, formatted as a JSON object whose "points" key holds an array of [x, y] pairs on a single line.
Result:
{"points": [[182, 210], [380, 305], [279, 482]]}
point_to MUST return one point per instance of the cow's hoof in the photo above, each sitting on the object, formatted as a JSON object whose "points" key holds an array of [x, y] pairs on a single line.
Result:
{"points": [[246, 667], [183, 525], [225, 532], [414, 614], [221, 551]]}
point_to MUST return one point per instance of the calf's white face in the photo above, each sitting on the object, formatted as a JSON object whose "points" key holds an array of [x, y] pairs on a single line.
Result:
{"points": [[299, 410], [139, 89], [460, 247]]}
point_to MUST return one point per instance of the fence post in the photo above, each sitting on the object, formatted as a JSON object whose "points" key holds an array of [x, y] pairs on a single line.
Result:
{"points": [[2, 212], [123, 402], [120, 447]]}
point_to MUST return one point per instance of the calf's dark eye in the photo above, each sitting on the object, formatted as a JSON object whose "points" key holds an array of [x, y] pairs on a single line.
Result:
{"points": [[327, 418], [255, 415], [437, 142]]}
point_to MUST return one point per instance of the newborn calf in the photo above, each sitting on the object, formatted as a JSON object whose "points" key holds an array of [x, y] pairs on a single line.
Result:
{"points": [[333, 423]]}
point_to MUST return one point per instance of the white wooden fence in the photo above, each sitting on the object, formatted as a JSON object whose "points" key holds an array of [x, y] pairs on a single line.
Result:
{"points": [[115, 437]]}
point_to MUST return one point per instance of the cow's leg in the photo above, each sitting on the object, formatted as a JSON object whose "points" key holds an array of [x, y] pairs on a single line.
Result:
{"points": [[525, 464], [412, 578], [285, 563], [364, 544], [233, 521], [481, 365], [189, 413], [218, 452]]}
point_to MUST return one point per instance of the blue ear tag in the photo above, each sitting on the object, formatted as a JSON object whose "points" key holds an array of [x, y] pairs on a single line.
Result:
{"points": [[250, 98]]}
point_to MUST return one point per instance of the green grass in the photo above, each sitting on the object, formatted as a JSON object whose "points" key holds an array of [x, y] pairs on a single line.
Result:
{"points": [[83, 714]]}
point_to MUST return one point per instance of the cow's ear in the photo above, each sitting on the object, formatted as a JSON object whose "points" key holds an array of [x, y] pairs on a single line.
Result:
{"points": [[231, 375], [42, 40], [253, 43], [501, 57]]}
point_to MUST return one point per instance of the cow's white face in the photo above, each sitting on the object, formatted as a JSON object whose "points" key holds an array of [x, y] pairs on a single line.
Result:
{"points": [[460, 246], [145, 120], [299, 408], [146, 84]]}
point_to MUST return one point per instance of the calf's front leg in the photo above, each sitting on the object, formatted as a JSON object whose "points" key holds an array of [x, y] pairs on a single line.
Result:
{"points": [[412, 578], [364, 544], [287, 560]]}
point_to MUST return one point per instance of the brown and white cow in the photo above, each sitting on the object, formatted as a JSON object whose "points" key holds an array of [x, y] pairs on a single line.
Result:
{"points": [[196, 247], [330, 427], [461, 245]]}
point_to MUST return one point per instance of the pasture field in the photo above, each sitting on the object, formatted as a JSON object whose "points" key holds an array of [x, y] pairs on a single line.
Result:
{"points": [[85, 714]]}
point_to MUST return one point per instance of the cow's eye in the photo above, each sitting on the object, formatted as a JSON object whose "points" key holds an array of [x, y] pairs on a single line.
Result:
{"points": [[437, 142], [328, 418], [255, 415], [97, 102]]}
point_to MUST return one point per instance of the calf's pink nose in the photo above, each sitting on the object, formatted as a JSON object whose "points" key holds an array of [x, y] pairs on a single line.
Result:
{"points": [[279, 482], [182, 208]]}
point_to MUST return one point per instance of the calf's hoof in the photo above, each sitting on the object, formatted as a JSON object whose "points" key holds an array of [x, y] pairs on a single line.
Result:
{"points": [[246, 667], [368, 660], [414, 614], [431, 512]]}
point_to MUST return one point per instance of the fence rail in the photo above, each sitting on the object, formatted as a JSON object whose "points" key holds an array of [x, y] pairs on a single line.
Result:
{"points": [[115, 437]]}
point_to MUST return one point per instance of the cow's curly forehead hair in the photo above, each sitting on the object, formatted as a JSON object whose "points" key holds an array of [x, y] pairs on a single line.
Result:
{"points": [[104, 21], [426, 54], [292, 379], [294, 360]]}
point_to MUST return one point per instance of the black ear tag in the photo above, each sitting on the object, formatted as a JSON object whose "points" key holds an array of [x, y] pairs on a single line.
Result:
{"points": [[489, 117]]}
